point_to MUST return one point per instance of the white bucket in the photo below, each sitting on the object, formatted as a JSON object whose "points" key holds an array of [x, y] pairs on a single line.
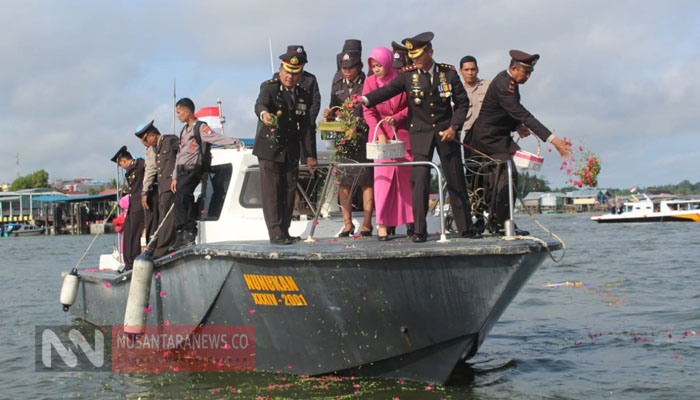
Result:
{"points": [[525, 160]]}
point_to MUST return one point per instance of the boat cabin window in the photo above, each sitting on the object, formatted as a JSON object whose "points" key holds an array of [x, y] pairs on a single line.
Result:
{"points": [[217, 186], [251, 194], [308, 190]]}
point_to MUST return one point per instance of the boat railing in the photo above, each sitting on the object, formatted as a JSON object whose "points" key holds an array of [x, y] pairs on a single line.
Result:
{"points": [[332, 171]]}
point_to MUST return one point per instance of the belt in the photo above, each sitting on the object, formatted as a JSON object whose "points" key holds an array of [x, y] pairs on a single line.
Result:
{"points": [[188, 168]]}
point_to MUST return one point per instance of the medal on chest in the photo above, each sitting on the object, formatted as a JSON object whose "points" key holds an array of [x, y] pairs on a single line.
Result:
{"points": [[416, 89], [444, 88], [301, 107]]}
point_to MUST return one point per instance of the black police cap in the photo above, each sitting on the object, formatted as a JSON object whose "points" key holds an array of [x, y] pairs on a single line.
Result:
{"points": [[348, 59], [352, 45], [122, 152], [417, 44], [294, 59], [146, 128], [526, 60]]}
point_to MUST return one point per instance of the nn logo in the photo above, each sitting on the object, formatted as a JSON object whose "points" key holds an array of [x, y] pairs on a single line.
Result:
{"points": [[74, 348]]}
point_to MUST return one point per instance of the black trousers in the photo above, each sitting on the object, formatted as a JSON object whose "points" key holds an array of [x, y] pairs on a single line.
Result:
{"points": [[133, 227], [278, 184], [188, 177], [150, 216], [166, 234], [498, 190], [453, 171]]}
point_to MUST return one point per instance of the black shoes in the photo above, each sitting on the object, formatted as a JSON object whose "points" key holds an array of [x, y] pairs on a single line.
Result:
{"points": [[410, 229], [281, 240], [390, 230], [294, 239], [471, 233], [183, 238], [366, 233], [419, 237], [347, 233]]}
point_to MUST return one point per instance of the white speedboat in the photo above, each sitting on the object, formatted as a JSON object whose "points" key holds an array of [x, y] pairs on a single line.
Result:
{"points": [[646, 210], [22, 229]]}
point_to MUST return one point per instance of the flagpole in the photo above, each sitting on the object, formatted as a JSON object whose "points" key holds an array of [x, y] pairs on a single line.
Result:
{"points": [[174, 82], [272, 63], [222, 119]]}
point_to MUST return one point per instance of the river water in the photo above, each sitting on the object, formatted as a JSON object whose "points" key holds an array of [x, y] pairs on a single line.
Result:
{"points": [[630, 327]]}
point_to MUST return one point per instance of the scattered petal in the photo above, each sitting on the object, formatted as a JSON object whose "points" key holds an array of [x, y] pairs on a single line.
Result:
{"points": [[107, 285], [251, 311], [163, 294], [157, 275], [147, 309]]}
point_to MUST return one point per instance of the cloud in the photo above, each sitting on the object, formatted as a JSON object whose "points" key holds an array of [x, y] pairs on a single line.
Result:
{"points": [[78, 78]]}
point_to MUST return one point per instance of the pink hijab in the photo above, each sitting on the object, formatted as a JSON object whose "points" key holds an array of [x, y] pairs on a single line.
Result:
{"points": [[385, 58]]}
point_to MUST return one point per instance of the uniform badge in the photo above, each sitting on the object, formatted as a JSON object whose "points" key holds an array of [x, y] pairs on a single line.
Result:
{"points": [[301, 109], [511, 86], [299, 49], [417, 100], [346, 57], [409, 45], [294, 60]]}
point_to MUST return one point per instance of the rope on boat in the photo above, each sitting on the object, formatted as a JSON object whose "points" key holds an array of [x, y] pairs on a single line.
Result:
{"points": [[75, 269], [479, 200], [540, 241]]}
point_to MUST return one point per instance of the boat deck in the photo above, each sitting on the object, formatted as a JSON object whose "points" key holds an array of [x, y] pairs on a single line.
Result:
{"points": [[352, 248]]}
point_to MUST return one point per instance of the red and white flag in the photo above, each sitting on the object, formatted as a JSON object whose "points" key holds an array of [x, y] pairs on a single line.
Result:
{"points": [[211, 116], [633, 189]]}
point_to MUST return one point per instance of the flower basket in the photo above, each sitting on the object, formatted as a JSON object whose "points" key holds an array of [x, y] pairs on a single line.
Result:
{"points": [[381, 151], [329, 130], [525, 160]]}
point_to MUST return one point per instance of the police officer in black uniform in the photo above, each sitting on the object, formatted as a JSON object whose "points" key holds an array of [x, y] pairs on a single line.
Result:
{"points": [[433, 123], [308, 81], [501, 113], [165, 148], [134, 223], [284, 127]]}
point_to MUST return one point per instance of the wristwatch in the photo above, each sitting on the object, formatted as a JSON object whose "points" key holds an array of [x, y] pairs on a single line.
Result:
{"points": [[455, 127]]}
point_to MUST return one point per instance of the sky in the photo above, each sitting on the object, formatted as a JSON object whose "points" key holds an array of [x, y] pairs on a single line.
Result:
{"points": [[79, 77]]}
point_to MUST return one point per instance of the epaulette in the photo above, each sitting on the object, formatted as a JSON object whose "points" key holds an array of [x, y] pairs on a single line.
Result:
{"points": [[447, 67], [408, 68], [273, 80]]}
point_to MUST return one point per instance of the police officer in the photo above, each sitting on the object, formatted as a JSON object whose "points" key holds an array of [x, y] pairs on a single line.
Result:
{"points": [[164, 149], [190, 167], [284, 126], [348, 81], [433, 123], [308, 81], [501, 113], [133, 225], [149, 197]]}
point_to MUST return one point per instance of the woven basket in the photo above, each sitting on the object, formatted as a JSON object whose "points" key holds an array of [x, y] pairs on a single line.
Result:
{"points": [[381, 151], [329, 130], [526, 160]]}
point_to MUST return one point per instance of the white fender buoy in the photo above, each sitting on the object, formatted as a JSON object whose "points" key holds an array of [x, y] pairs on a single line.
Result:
{"points": [[69, 289], [139, 294]]}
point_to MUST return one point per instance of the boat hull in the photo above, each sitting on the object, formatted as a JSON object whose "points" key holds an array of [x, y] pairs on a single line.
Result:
{"points": [[659, 218], [410, 311]]}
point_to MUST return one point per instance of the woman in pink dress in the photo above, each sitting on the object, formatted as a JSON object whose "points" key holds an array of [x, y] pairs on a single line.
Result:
{"points": [[392, 185]]}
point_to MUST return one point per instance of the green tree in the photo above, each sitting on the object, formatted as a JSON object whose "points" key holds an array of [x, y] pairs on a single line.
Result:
{"points": [[37, 179], [531, 183]]}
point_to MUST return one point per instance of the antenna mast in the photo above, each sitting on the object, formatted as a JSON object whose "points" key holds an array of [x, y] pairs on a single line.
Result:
{"points": [[272, 63]]}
